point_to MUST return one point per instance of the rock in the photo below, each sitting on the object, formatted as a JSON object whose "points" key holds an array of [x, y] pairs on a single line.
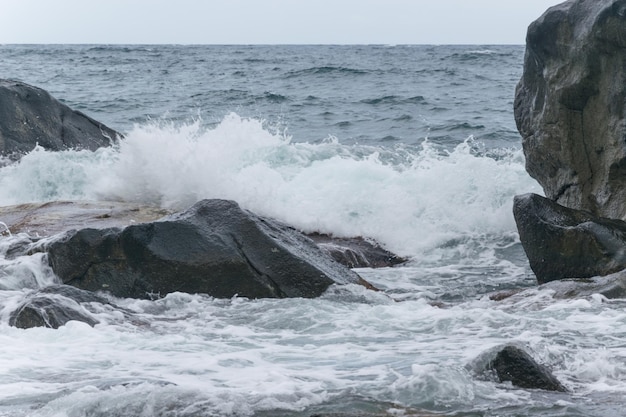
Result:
{"points": [[47, 219], [570, 105], [215, 248], [356, 252], [54, 307], [565, 243], [513, 364], [611, 286], [31, 116]]}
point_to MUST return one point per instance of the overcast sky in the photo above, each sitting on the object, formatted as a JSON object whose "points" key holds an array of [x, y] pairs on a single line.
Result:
{"points": [[269, 21]]}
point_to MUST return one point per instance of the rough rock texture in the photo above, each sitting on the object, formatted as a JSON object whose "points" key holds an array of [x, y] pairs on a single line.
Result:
{"points": [[570, 104], [54, 307], [31, 116], [611, 286], [566, 243], [215, 248], [513, 364], [46, 219], [356, 252]]}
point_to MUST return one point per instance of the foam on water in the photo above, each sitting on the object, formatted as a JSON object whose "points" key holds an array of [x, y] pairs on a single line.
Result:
{"points": [[412, 199], [194, 355]]}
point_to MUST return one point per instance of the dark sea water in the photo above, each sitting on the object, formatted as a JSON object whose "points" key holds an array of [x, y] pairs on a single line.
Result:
{"points": [[414, 146]]}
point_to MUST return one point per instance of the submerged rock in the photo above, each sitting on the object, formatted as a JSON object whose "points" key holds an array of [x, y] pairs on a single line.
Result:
{"points": [[53, 307], [356, 252], [570, 105], [611, 286], [513, 364], [215, 248], [565, 243], [30, 116]]}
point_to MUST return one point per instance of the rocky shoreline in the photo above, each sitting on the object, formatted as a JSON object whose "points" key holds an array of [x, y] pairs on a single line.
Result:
{"points": [[569, 108]]}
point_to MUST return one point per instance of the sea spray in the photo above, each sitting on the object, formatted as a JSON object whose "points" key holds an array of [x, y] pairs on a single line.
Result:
{"points": [[410, 198]]}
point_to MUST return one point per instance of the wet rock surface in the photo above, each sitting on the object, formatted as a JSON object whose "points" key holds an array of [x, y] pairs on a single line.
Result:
{"points": [[53, 307], [50, 218], [564, 243], [513, 364], [356, 252], [570, 105], [30, 116], [214, 248]]}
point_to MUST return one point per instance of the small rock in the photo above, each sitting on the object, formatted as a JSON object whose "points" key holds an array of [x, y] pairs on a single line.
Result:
{"points": [[514, 365], [356, 252], [53, 307]]}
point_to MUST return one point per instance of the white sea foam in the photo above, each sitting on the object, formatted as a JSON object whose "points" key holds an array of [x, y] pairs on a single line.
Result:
{"points": [[412, 199], [199, 355]]}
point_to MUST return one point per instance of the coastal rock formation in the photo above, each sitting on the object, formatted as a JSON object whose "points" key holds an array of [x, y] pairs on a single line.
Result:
{"points": [[53, 307], [514, 365], [215, 248], [564, 243], [31, 116], [611, 286], [356, 252], [50, 218], [570, 105]]}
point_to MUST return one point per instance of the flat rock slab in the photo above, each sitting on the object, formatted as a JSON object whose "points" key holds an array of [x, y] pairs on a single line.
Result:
{"points": [[47, 219], [611, 286]]}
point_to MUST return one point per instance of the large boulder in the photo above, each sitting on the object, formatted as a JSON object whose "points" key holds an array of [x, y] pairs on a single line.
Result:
{"points": [[570, 105], [565, 243], [215, 248], [31, 116]]}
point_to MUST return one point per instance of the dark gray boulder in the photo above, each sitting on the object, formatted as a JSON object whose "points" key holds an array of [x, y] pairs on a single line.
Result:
{"points": [[53, 307], [356, 252], [31, 116], [565, 243], [570, 105], [215, 248], [513, 364]]}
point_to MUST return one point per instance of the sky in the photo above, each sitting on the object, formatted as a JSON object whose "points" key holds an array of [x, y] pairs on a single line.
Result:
{"points": [[268, 21]]}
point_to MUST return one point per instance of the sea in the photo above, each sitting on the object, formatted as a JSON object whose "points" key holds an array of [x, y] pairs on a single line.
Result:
{"points": [[412, 146]]}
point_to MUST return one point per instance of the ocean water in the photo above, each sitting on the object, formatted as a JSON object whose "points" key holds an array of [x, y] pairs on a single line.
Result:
{"points": [[413, 146]]}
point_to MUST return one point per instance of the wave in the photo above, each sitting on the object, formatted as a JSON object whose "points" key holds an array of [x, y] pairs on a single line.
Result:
{"points": [[325, 70], [394, 100], [410, 198]]}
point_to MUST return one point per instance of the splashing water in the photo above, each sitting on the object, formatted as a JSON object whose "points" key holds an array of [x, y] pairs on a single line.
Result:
{"points": [[409, 198]]}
